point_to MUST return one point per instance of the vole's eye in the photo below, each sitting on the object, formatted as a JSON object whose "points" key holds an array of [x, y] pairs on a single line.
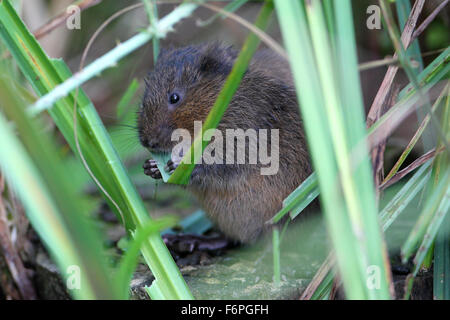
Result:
{"points": [[174, 98]]}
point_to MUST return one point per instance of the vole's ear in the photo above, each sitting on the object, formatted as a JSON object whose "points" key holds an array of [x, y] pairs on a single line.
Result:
{"points": [[217, 60], [210, 64]]}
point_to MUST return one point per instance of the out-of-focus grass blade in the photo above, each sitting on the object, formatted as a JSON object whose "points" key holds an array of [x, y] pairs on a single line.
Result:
{"points": [[436, 222], [276, 256], [44, 75], [442, 243], [430, 74], [434, 207], [441, 277], [434, 72], [53, 206], [154, 291], [183, 172], [323, 290], [405, 195], [320, 117], [438, 199], [324, 121], [415, 138], [435, 210], [127, 97], [129, 260], [390, 212]]}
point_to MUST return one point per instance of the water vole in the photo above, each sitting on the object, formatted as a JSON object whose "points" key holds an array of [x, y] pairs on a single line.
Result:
{"points": [[182, 89]]}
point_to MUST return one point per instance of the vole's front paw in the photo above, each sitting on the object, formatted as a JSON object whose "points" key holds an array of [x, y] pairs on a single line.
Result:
{"points": [[172, 165], [150, 169]]}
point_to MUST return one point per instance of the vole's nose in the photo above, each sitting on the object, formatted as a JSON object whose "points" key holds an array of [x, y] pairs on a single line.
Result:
{"points": [[153, 145], [148, 143]]}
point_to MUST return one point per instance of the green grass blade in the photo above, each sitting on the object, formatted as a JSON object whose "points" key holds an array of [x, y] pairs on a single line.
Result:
{"points": [[405, 195], [292, 22], [276, 256], [437, 202], [299, 199], [182, 173], [154, 291], [415, 138], [426, 227], [441, 277], [435, 223]]}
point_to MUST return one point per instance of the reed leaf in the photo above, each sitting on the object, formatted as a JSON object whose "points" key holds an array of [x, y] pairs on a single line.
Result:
{"points": [[183, 172]]}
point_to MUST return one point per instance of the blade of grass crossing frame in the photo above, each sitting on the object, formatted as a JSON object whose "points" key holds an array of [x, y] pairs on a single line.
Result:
{"points": [[438, 188], [353, 109], [415, 138], [441, 277], [276, 256], [292, 21], [310, 81], [182, 173], [356, 180]]}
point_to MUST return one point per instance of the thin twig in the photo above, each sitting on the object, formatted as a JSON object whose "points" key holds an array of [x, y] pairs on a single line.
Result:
{"points": [[428, 20], [392, 61], [415, 138], [417, 163], [261, 34]]}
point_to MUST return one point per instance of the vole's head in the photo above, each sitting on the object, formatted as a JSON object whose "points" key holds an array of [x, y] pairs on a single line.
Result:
{"points": [[181, 89]]}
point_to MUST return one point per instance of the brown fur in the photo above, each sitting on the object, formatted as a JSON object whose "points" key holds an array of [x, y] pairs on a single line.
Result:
{"points": [[236, 197]]}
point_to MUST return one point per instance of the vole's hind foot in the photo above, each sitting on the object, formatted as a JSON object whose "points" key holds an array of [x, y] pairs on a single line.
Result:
{"points": [[189, 243], [171, 166], [150, 169]]}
